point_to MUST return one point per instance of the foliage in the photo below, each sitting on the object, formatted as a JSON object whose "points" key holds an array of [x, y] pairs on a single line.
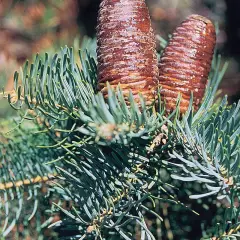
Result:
{"points": [[110, 158]]}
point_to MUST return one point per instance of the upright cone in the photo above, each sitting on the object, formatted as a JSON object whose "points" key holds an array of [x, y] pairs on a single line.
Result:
{"points": [[126, 48], [185, 64]]}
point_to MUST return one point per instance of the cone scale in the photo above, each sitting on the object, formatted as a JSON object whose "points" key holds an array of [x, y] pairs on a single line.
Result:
{"points": [[126, 49]]}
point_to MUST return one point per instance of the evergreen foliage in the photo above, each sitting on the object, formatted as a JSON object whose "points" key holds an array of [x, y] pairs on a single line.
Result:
{"points": [[108, 158]]}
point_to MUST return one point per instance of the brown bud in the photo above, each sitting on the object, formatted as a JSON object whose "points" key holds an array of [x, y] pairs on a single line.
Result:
{"points": [[126, 48], [186, 62]]}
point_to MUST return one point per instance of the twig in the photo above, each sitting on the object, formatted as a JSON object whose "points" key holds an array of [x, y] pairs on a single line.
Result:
{"points": [[13, 95], [38, 179]]}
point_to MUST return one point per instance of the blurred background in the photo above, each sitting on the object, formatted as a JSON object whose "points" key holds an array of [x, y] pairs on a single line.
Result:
{"points": [[31, 26]]}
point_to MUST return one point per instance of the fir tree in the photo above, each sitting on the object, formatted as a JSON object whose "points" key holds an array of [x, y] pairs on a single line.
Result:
{"points": [[115, 158]]}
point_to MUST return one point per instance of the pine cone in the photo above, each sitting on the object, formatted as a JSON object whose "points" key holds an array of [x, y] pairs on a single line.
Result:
{"points": [[186, 62], [126, 48]]}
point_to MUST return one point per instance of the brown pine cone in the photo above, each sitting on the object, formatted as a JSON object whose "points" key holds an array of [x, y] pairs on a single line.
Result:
{"points": [[186, 62], [126, 48]]}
